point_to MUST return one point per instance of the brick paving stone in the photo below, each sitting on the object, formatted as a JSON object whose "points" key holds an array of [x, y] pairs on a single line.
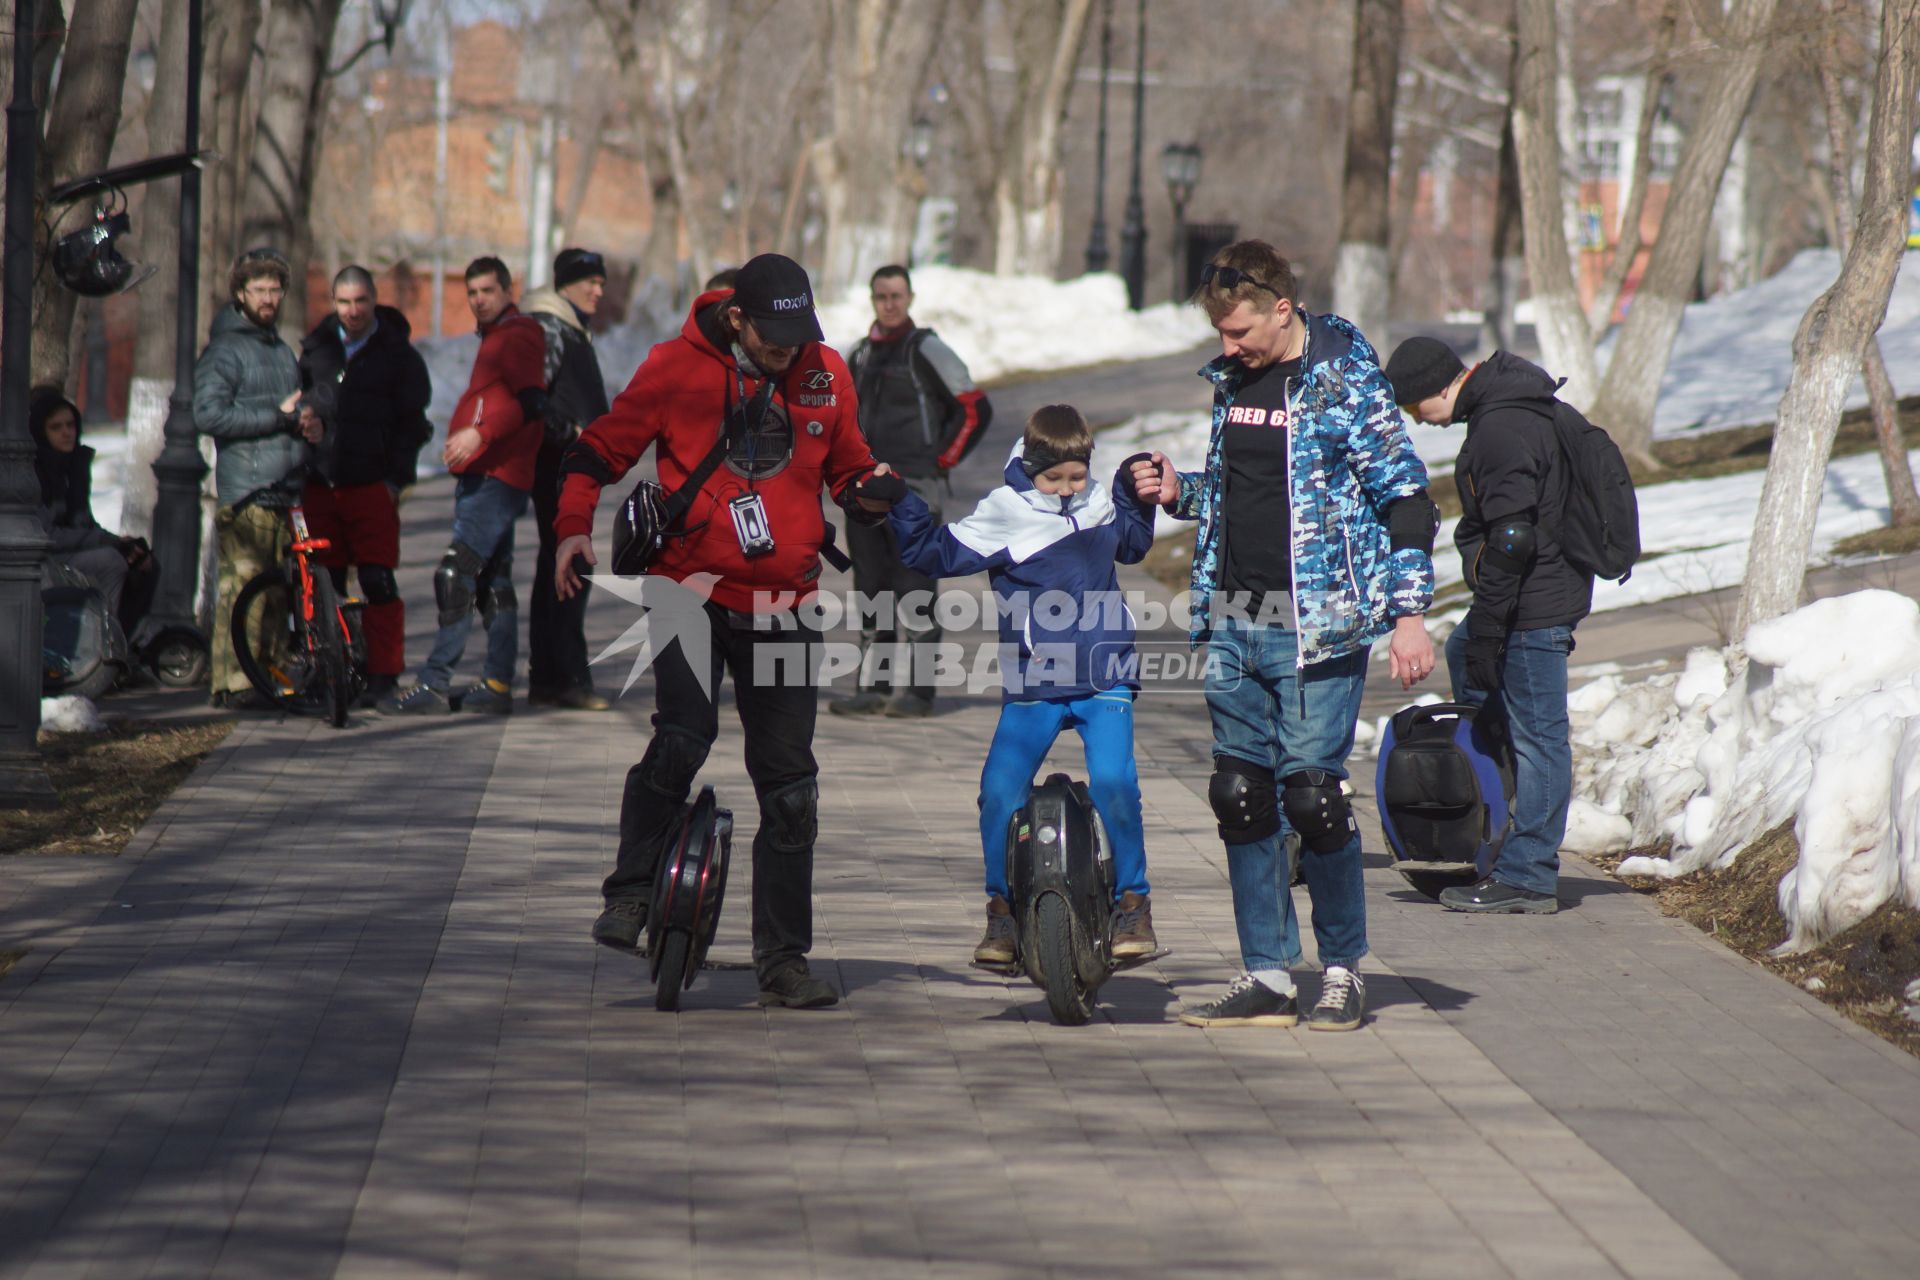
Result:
{"points": [[352, 1025]]}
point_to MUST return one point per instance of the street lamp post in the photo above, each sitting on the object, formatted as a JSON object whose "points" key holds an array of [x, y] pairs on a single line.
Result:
{"points": [[1097, 233], [1180, 165], [23, 543], [1133, 230], [179, 469]]}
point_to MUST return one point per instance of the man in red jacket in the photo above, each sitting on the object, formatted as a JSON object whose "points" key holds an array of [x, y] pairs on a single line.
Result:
{"points": [[491, 443], [750, 360]]}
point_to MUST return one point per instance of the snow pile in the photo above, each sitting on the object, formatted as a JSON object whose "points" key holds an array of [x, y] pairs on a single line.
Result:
{"points": [[70, 715], [1823, 730], [1002, 325], [1734, 353]]}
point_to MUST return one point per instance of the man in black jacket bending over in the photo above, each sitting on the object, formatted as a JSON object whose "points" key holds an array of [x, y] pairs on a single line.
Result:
{"points": [[1511, 652], [367, 389]]}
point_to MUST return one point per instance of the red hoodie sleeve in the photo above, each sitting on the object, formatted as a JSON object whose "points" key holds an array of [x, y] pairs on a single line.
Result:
{"points": [[848, 457], [609, 447], [515, 356]]}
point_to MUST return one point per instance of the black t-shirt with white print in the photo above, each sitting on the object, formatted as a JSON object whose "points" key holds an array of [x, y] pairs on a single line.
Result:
{"points": [[1254, 443]]}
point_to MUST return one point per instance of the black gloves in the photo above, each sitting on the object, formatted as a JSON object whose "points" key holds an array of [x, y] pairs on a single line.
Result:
{"points": [[1484, 662], [889, 488]]}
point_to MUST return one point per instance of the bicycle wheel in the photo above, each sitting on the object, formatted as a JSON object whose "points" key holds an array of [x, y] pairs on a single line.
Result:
{"points": [[334, 689], [265, 643], [1067, 998]]}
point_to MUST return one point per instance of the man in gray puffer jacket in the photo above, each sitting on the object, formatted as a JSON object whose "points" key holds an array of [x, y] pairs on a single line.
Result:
{"points": [[246, 387]]}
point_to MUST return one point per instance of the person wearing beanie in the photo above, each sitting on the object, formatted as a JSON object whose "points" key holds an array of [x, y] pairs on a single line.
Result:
{"points": [[1510, 654], [557, 674], [1315, 541]]}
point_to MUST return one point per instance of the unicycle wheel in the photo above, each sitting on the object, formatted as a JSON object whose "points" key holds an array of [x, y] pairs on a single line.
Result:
{"points": [[1067, 999], [670, 975]]}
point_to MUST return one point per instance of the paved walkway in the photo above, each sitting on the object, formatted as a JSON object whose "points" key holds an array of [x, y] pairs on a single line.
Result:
{"points": [[335, 1013]]}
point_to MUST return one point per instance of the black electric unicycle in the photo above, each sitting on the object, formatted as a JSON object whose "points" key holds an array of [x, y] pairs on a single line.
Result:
{"points": [[687, 890], [1060, 882]]}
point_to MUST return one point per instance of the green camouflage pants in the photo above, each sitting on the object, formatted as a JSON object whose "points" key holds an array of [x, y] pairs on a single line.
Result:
{"points": [[251, 541]]}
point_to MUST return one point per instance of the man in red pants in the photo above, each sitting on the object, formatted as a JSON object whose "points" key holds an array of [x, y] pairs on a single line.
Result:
{"points": [[368, 389]]}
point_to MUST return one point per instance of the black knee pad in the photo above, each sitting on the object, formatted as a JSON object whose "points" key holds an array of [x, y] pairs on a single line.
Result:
{"points": [[453, 582], [1241, 794], [672, 762], [1318, 810], [376, 580], [497, 596], [789, 816]]}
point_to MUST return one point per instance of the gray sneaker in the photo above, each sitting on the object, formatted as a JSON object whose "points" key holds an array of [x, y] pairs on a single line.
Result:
{"points": [[416, 700], [1249, 1002], [867, 702], [1491, 897], [910, 706], [483, 699], [619, 925], [791, 986], [1343, 1001]]}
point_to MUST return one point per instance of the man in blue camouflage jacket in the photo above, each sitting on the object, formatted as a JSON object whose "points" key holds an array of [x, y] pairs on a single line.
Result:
{"points": [[1316, 539]]}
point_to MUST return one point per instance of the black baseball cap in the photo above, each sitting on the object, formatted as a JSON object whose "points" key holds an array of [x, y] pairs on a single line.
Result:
{"points": [[777, 296]]}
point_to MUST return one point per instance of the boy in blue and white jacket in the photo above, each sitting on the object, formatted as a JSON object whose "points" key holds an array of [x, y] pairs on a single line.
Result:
{"points": [[1051, 535]]}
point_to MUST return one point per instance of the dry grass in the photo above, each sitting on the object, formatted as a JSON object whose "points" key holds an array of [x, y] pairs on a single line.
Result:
{"points": [[109, 783], [1862, 972], [1890, 541]]}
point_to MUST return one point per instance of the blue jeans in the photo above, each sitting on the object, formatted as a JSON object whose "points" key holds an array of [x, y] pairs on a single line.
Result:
{"points": [[1272, 713], [1531, 704], [484, 510], [1021, 741]]}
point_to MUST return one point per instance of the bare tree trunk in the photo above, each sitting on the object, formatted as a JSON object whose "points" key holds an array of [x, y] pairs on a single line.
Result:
{"points": [[1507, 261], [1600, 313], [80, 126], [1632, 388], [1362, 266], [228, 123], [153, 339], [1834, 334], [286, 149], [1565, 343], [877, 56], [1882, 403], [585, 155], [1027, 186]]}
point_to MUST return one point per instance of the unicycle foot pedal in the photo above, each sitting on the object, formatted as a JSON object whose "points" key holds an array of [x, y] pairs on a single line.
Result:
{"points": [[1012, 969], [1134, 962]]}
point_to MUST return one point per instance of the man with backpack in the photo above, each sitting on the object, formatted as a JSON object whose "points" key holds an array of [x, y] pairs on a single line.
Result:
{"points": [[921, 413], [1518, 491]]}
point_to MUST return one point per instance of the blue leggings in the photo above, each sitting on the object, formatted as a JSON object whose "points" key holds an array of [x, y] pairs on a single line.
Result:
{"points": [[1021, 741]]}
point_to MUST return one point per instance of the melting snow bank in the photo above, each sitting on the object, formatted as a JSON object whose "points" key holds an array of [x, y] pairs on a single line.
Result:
{"points": [[70, 715], [1823, 731]]}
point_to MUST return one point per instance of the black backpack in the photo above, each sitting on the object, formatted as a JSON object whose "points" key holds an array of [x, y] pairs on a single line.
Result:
{"points": [[1599, 529]]}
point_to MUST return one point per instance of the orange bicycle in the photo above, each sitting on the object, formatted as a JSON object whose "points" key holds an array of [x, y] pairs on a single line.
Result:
{"points": [[311, 656]]}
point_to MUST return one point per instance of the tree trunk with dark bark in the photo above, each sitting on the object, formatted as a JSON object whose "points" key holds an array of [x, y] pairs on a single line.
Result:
{"points": [[1362, 265], [1632, 389], [1565, 343], [286, 145], [1834, 334], [81, 123]]}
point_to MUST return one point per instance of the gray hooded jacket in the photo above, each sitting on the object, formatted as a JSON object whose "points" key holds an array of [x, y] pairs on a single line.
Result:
{"points": [[238, 385]]}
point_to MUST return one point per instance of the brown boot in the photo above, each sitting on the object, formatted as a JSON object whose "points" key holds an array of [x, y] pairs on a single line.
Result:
{"points": [[1133, 927], [996, 946]]}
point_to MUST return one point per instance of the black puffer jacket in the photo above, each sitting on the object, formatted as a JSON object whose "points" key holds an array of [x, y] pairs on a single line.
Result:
{"points": [[374, 406], [1510, 468]]}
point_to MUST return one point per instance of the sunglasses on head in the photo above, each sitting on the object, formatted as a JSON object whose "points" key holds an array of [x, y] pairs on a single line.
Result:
{"points": [[1233, 277]]}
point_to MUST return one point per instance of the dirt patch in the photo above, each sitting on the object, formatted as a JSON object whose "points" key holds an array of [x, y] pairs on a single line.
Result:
{"points": [[1880, 542], [1863, 972], [109, 783]]}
